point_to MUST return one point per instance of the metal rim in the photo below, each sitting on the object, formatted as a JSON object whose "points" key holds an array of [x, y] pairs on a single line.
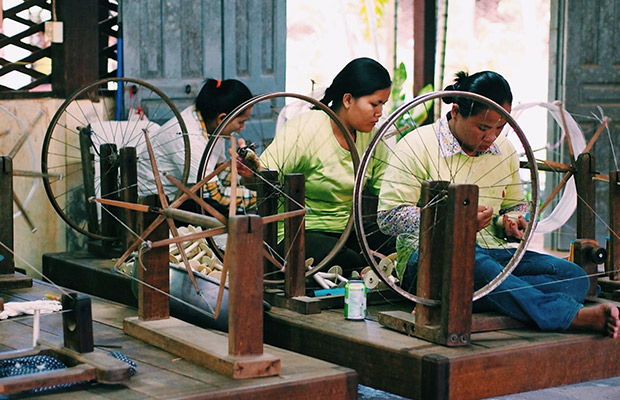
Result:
{"points": [[55, 122], [348, 137], [366, 158]]}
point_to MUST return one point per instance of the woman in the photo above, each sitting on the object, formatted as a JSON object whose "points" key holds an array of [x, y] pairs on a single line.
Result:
{"points": [[214, 101], [312, 144], [544, 290]]}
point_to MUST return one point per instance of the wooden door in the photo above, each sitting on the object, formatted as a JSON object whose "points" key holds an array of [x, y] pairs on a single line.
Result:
{"points": [[177, 44], [585, 75]]}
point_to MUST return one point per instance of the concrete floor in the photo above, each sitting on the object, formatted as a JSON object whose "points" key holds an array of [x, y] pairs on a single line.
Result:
{"points": [[604, 389]]}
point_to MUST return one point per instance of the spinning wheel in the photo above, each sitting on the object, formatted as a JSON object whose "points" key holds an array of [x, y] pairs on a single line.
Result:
{"points": [[269, 118], [383, 148], [84, 143]]}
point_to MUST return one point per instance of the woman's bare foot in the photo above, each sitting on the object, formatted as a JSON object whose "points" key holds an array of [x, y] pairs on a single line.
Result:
{"points": [[603, 317]]}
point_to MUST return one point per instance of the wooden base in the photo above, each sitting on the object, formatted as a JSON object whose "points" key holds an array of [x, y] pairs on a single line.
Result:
{"points": [[404, 322], [14, 281], [205, 347], [314, 305], [496, 363], [610, 289], [80, 270], [300, 304]]}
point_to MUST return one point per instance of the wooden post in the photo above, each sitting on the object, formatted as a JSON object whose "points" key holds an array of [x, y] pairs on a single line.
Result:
{"points": [[294, 235], [245, 357], [267, 200], [446, 262], [108, 175], [153, 304], [586, 196], [76, 60], [588, 254], [129, 190], [88, 177], [425, 39], [7, 265], [612, 267], [8, 278], [245, 290], [77, 322]]}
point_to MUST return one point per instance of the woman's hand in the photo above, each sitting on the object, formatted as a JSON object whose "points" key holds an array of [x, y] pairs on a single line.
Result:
{"points": [[484, 217], [242, 169]]}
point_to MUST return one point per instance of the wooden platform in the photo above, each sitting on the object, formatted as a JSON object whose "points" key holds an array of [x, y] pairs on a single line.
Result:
{"points": [[496, 363], [162, 375], [80, 270]]}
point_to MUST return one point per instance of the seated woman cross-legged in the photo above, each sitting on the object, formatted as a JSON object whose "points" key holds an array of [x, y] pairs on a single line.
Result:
{"points": [[544, 290]]}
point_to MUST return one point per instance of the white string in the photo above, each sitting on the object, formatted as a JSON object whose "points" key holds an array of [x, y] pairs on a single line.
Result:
{"points": [[122, 223], [552, 283]]}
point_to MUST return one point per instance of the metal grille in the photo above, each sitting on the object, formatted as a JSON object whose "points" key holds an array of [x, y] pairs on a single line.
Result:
{"points": [[108, 38], [26, 56]]}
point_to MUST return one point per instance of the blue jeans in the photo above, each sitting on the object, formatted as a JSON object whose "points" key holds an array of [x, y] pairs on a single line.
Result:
{"points": [[543, 289]]}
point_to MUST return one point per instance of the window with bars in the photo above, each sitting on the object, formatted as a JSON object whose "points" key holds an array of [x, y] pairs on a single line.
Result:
{"points": [[27, 55]]}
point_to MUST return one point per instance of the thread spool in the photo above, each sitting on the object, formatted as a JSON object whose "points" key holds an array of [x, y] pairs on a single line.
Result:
{"points": [[371, 280], [321, 281], [386, 265]]}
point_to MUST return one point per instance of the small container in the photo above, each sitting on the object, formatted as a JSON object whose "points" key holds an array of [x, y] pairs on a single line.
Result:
{"points": [[355, 300]]}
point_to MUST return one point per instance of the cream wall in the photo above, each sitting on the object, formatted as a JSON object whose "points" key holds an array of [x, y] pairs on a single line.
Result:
{"points": [[50, 234]]}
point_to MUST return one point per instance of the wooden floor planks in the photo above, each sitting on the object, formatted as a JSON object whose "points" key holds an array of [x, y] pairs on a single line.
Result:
{"points": [[164, 375]]}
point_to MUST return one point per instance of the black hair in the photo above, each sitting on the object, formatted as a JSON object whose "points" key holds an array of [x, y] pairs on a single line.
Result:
{"points": [[486, 83], [216, 97], [360, 77]]}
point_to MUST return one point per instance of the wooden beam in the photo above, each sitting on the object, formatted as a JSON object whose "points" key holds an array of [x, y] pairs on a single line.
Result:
{"points": [[446, 262], [7, 264], [153, 270], [294, 237], [76, 60], [612, 267], [424, 38], [244, 258], [586, 196]]}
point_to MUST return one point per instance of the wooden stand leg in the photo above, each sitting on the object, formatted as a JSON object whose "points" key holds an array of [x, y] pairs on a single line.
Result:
{"points": [[294, 295], [77, 322], [267, 200], [153, 304], [612, 267], [242, 357], [588, 254], [586, 199], [294, 235], [245, 307], [8, 278], [88, 177], [446, 262], [129, 190], [7, 264], [109, 190]]}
